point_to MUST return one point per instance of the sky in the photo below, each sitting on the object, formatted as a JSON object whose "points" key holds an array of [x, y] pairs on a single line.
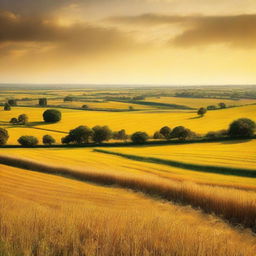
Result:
{"points": [[142, 42]]}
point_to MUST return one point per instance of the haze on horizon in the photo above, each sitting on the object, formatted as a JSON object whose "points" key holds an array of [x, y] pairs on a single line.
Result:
{"points": [[206, 42]]}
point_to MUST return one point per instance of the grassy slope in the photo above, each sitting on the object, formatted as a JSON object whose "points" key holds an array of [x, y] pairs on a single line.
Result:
{"points": [[148, 121], [48, 215]]}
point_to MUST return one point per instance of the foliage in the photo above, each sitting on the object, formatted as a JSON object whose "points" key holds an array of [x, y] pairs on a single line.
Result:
{"points": [[216, 134], [166, 131], [182, 133], [7, 107], [48, 140], [139, 137], [4, 136], [211, 107], [12, 102], [157, 135], [201, 111], [43, 102], [14, 120], [52, 116], [101, 133], [79, 135], [120, 135], [222, 105], [68, 98], [28, 141], [22, 119], [243, 128]]}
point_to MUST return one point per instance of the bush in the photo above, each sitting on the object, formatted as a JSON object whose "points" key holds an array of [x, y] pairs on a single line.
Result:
{"points": [[28, 141], [81, 134], [157, 135], [48, 140], [23, 119], [7, 107], [216, 134], [201, 111], [4, 136], [182, 133], [212, 107], [131, 108], [101, 133], [42, 102], [66, 140], [222, 105], [14, 120], [68, 98], [139, 137], [85, 107], [120, 135], [166, 131], [52, 116], [243, 128], [12, 102]]}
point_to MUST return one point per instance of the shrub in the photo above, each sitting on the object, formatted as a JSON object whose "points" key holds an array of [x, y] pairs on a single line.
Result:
{"points": [[23, 119], [4, 136], [120, 135], [139, 137], [14, 120], [212, 107], [85, 107], [68, 98], [43, 102], [48, 140], [242, 127], [101, 133], [66, 140], [216, 134], [157, 135], [182, 133], [166, 131], [222, 105], [12, 102], [81, 134], [201, 111], [131, 108], [52, 116], [7, 107], [28, 141]]}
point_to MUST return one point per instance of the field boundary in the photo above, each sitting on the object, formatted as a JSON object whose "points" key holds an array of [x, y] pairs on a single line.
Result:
{"points": [[194, 167]]}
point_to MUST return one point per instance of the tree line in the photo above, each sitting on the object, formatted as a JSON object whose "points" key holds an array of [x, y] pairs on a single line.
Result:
{"points": [[241, 128]]}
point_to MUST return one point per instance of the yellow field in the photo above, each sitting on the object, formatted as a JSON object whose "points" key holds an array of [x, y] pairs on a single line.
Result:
{"points": [[148, 121], [200, 102], [43, 214]]}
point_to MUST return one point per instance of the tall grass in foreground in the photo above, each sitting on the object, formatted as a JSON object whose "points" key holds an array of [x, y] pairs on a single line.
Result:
{"points": [[30, 229], [236, 206]]}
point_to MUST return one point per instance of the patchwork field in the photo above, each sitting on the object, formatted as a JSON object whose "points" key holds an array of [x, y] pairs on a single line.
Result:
{"points": [[147, 120], [194, 199]]}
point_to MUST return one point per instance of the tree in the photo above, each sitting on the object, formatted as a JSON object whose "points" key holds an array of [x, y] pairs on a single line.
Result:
{"points": [[14, 120], [85, 107], [166, 131], [182, 133], [139, 137], [131, 108], [4, 136], [28, 141], [23, 119], [120, 135], [48, 140], [12, 102], [158, 135], [66, 140], [43, 102], [52, 116], [101, 133], [222, 105], [68, 98], [81, 134], [7, 107], [243, 128], [201, 111]]}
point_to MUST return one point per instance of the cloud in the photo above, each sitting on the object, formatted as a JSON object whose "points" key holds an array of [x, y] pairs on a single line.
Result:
{"points": [[236, 30], [78, 38]]}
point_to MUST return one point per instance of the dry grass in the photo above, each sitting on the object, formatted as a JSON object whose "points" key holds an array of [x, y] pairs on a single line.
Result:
{"points": [[47, 216], [236, 206]]}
